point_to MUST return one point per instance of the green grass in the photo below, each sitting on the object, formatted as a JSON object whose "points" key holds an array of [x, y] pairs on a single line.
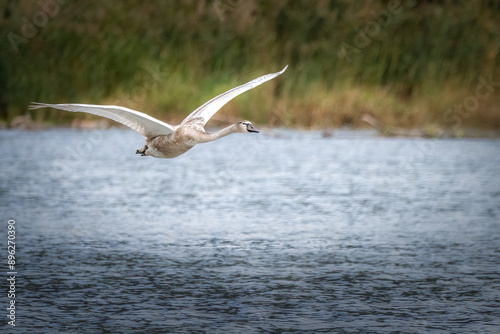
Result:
{"points": [[168, 57]]}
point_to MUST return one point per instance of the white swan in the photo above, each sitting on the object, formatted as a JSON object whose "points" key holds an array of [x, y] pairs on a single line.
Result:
{"points": [[164, 140]]}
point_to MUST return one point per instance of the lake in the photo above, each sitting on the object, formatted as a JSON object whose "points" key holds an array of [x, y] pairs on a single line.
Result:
{"points": [[280, 232]]}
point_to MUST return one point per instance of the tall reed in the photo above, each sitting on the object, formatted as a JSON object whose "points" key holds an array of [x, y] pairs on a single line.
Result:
{"points": [[405, 62]]}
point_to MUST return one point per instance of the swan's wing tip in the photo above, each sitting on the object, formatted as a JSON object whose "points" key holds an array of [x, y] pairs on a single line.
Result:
{"points": [[284, 69], [37, 105]]}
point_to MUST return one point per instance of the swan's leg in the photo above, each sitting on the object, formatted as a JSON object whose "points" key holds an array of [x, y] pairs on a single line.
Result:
{"points": [[142, 151]]}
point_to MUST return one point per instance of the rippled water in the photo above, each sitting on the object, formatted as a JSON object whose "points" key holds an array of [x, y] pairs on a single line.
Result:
{"points": [[252, 233]]}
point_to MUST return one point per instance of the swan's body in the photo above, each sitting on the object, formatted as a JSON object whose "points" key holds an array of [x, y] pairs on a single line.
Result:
{"points": [[164, 140]]}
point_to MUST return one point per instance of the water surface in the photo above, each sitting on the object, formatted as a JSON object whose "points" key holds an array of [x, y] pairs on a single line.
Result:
{"points": [[288, 232]]}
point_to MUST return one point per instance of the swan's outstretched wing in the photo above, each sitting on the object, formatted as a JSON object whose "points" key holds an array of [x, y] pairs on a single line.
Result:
{"points": [[206, 111], [144, 124]]}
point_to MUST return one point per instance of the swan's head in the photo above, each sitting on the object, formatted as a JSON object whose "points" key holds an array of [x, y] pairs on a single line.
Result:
{"points": [[246, 126]]}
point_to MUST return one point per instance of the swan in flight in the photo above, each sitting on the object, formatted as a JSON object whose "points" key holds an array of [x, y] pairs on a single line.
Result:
{"points": [[169, 141]]}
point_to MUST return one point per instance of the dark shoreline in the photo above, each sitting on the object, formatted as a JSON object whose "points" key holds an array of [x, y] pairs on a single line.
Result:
{"points": [[428, 132]]}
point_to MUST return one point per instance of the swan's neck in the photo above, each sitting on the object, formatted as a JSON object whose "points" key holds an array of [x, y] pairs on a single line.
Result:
{"points": [[210, 136]]}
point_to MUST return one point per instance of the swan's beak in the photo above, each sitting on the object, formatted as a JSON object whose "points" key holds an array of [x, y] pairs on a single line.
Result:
{"points": [[250, 128]]}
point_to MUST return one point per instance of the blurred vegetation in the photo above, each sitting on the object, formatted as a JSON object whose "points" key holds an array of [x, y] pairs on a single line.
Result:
{"points": [[408, 63]]}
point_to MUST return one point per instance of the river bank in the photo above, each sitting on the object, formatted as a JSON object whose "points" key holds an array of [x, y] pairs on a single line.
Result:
{"points": [[25, 123]]}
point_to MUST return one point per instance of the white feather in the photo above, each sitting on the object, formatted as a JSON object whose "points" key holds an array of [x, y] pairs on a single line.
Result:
{"points": [[207, 110], [144, 124]]}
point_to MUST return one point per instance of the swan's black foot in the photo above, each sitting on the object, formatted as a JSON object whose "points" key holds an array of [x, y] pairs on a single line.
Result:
{"points": [[142, 151]]}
